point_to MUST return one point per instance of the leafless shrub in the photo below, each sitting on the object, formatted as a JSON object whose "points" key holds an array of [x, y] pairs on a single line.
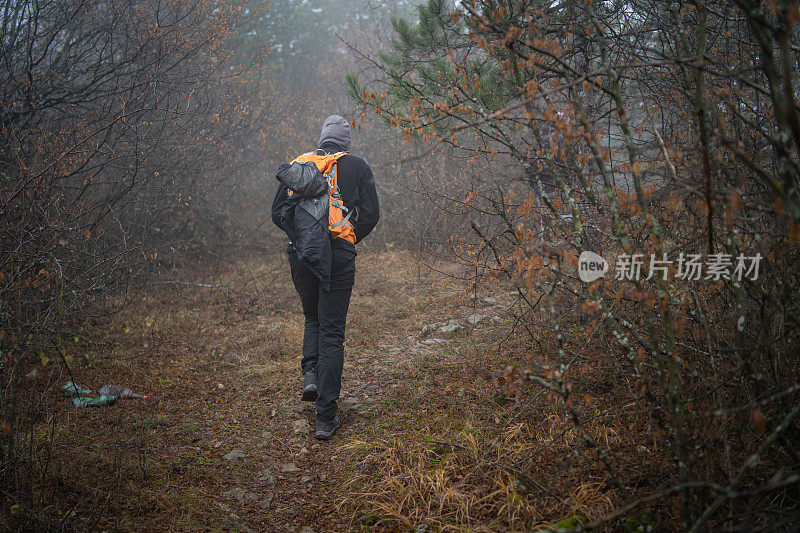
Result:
{"points": [[120, 122], [627, 128]]}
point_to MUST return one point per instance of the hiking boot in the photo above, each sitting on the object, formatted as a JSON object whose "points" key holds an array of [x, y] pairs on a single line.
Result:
{"points": [[325, 430], [310, 386]]}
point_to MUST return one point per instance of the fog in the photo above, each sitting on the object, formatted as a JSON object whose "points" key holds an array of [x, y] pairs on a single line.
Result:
{"points": [[509, 142]]}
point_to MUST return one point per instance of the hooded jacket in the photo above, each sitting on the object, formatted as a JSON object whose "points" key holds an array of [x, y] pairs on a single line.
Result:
{"points": [[356, 187]]}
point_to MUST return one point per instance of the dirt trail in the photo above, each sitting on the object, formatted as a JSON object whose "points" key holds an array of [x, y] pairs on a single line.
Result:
{"points": [[298, 482], [224, 443]]}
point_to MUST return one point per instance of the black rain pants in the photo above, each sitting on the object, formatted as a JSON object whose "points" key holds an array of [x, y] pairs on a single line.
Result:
{"points": [[325, 317]]}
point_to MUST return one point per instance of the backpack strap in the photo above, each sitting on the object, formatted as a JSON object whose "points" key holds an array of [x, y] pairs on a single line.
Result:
{"points": [[337, 200]]}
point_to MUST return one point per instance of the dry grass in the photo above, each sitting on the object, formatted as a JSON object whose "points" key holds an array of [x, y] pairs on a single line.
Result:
{"points": [[446, 435], [473, 477], [221, 367]]}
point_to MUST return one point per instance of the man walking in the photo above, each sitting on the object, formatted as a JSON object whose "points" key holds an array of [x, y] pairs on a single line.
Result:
{"points": [[325, 308]]}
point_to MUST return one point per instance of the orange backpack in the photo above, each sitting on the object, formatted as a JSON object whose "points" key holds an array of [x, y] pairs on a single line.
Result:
{"points": [[338, 214]]}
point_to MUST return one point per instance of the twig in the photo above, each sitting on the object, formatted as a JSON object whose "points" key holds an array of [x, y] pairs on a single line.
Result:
{"points": [[190, 283]]}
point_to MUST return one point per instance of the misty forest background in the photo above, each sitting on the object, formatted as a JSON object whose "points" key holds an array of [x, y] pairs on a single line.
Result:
{"points": [[139, 146]]}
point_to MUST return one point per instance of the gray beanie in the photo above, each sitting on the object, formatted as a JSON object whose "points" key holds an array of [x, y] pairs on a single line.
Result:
{"points": [[335, 129]]}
